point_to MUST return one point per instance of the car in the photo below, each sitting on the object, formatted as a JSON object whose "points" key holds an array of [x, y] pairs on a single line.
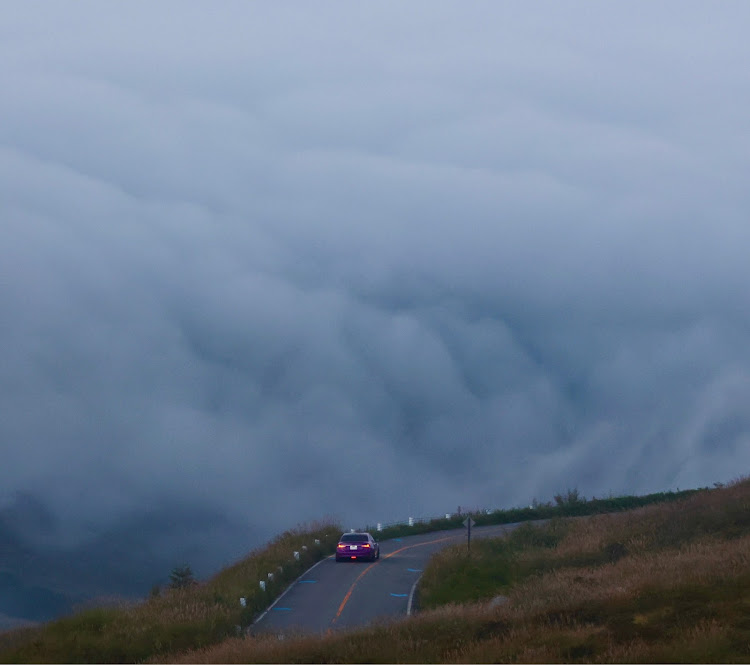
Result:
{"points": [[353, 546]]}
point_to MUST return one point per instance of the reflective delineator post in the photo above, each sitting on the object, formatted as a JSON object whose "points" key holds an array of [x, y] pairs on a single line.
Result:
{"points": [[296, 555], [411, 521], [262, 585], [380, 526]]}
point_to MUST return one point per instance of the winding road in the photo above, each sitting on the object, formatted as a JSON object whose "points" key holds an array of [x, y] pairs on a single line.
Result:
{"points": [[335, 596]]}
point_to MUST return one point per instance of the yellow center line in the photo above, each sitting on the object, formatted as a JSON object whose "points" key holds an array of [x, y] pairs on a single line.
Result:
{"points": [[367, 570]]}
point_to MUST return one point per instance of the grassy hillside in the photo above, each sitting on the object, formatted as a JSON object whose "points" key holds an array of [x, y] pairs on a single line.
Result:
{"points": [[177, 619], [669, 582]]}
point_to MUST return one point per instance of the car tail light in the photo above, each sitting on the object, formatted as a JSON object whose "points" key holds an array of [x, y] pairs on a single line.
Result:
{"points": [[366, 545], [342, 545]]}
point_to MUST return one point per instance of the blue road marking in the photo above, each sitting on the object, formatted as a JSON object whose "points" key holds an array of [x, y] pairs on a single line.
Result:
{"points": [[414, 570], [282, 609], [397, 540], [400, 595], [308, 581]]}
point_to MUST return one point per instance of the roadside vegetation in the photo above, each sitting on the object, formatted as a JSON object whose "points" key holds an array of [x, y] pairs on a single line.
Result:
{"points": [[661, 578], [668, 582], [566, 504], [189, 615]]}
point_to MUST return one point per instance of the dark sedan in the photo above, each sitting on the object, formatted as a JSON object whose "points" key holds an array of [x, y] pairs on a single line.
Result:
{"points": [[357, 546]]}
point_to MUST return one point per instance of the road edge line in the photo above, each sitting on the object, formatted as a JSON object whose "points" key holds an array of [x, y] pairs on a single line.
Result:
{"points": [[286, 591], [410, 602]]}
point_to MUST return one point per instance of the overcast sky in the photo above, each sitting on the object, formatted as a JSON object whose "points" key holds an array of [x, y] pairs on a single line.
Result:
{"points": [[369, 259]]}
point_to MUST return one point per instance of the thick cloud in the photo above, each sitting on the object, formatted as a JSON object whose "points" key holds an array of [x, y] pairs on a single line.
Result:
{"points": [[368, 261]]}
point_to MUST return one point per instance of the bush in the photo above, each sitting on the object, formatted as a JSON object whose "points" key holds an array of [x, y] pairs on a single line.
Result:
{"points": [[572, 498], [181, 577]]}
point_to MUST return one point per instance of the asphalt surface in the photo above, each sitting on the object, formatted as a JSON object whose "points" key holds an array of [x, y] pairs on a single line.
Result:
{"points": [[337, 596]]}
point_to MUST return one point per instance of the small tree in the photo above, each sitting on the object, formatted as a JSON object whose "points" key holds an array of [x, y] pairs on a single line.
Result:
{"points": [[181, 577]]}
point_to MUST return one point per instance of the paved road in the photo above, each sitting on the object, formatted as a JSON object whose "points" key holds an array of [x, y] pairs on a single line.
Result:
{"points": [[333, 596]]}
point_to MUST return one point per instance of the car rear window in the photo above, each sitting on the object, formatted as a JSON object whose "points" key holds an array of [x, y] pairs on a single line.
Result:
{"points": [[354, 538]]}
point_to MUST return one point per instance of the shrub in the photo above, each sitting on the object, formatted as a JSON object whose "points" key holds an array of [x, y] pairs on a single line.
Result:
{"points": [[181, 577]]}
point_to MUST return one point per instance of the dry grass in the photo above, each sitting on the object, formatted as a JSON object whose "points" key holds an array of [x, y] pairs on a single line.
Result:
{"points": [[666, 583], [702, 563]]}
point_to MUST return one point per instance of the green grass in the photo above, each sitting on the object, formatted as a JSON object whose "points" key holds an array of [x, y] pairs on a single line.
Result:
{"points": [[487, 572]]}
